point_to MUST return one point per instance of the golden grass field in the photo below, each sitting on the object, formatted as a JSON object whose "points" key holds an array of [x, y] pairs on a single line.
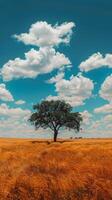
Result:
{"points": [[66, 170]]}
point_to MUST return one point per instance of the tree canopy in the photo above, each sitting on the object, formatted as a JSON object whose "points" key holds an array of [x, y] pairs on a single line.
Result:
{"points": [[55, 115]]}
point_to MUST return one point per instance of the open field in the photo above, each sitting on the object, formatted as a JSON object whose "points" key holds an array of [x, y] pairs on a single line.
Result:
{"points": [[42, 170]]}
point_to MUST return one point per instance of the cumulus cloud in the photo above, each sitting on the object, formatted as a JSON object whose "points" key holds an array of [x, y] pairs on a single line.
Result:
{"points": [[106, 93], [86, 117], [43, 34], [108, 118], [20, 102], [97, 60], [56, 78], [36, 62], [107, 108], [74, 91], [16, 113], [103, 123], [99, 126], [106, 89], [14, 121], [5, 95]]}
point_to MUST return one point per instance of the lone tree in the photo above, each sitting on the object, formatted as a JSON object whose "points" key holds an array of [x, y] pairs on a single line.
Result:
{"points": [[55, 115]]}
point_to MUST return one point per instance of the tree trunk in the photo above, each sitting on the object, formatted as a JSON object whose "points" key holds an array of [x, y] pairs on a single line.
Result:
{"points": [[55, 135]]}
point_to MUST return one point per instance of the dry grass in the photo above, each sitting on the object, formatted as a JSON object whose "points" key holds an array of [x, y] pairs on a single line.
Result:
{"points": [[41, 170]]}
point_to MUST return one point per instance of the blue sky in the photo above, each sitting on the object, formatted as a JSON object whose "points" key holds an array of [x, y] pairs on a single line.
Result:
{"points": [[87, 48]]}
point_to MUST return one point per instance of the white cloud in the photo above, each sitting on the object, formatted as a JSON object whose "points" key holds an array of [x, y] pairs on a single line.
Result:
{"points": [[97, 60], [104, 109], [20, 102], [16, 113], [98, 126], [5, 95], [43, 34], [108, 60], [74, 91], [109, 126], [86, 117], [103, 123], [36, 62], [108, 119], [14, 121], [56, 78], [106, 89]]}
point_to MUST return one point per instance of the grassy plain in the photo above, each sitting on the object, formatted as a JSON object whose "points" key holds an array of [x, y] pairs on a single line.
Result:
{"points": [[67, 170]]}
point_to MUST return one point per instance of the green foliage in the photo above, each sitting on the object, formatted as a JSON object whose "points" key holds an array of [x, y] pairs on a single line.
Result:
{"points": [[54, 115]]}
